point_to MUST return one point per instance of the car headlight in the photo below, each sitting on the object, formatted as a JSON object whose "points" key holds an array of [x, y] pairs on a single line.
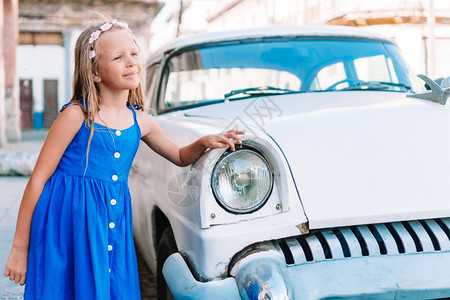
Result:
{"points": [[242, 181]]}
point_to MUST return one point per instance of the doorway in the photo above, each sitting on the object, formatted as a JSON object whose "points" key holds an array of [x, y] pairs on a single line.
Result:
{"points": [[50, 101], [26, 103]]}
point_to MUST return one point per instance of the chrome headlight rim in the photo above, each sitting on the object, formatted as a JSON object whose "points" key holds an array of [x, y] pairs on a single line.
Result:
{"points": [[226, 155]]}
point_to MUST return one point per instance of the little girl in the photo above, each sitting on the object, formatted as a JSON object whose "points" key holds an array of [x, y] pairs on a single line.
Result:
{"points": [[74, 237]]}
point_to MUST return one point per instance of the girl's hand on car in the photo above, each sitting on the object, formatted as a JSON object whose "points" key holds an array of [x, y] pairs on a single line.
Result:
{"points": [[222, 140]]}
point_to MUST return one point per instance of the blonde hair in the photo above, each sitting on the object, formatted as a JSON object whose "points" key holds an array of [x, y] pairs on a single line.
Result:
{"points": [[84, 87]]}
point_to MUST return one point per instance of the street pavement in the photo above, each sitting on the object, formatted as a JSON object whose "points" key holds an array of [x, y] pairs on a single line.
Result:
{"points": [[11, 189], [18, 157]]}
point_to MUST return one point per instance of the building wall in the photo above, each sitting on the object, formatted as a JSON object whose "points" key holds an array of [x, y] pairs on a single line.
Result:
{"points": [[9, 105], [10, 35], [39, 61], [50, 65], [3, 140]]}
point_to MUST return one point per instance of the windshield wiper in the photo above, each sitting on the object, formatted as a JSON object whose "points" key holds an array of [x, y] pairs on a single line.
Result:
{"points": [[375, 85], [262, 90]]}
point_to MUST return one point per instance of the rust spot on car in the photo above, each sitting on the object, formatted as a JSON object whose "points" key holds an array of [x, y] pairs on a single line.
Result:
{"points": [[303, 227]]}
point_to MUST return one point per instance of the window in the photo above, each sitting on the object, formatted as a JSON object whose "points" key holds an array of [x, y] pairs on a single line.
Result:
{"points": [[329, 76], [207, 73], [192, 86], [40, 38], [151, 83], [375, 68]]}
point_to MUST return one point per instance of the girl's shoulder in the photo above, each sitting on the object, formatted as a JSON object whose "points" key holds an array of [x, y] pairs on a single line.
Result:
{"points": [[65, 127], [146, 122], [142, 116], [72, 114], [80, 103], [72, 110]]}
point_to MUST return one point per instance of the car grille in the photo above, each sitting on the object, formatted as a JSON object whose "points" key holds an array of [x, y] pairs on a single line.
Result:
{"points": [[367, 240]]}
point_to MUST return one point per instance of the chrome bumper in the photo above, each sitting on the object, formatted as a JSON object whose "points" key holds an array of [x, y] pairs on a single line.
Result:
{"points": [[183, 285], [403, 260]]}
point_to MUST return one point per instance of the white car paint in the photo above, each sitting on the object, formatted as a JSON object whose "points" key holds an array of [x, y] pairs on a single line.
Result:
{"points": [[361, 157], [339, 158]]}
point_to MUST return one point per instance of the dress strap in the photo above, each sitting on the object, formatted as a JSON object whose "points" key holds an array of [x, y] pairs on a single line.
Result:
{"points": [[79, 101], [136, 123], [133, 109], [65, 105]]}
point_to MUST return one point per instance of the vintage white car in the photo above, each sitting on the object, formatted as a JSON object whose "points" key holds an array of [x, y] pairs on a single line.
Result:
{"points": [[340, 189]]}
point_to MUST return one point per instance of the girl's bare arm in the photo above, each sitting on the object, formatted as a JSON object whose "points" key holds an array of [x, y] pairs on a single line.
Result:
{"points": [[58, 138], [155, 138]]}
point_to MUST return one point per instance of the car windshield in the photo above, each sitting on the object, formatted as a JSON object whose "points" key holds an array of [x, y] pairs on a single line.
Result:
{"points": [[276, 67]]}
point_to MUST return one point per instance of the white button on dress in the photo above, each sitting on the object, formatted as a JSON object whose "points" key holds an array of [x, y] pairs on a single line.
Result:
{"points": [[117, 155], [118, 133], [113, 201], [110, 248], [112, 225], [114, 177]]}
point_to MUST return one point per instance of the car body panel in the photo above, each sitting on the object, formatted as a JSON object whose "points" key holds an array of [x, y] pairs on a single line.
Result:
{"points": [[359, 180], [185, 195], [401, 136]]}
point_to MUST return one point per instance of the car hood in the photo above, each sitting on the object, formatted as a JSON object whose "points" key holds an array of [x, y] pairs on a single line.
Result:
{"points": [[356, 157]]}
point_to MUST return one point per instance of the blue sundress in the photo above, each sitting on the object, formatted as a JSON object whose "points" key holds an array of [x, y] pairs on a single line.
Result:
{"points": [[81, 241]]}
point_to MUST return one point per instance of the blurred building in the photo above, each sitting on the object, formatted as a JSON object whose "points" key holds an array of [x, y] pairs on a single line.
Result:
{"points": [[421, 28], [47, 34], [39, 36]]}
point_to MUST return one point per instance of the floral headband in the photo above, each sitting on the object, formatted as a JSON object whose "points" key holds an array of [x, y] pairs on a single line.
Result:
{"points": [[105, 27]]}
